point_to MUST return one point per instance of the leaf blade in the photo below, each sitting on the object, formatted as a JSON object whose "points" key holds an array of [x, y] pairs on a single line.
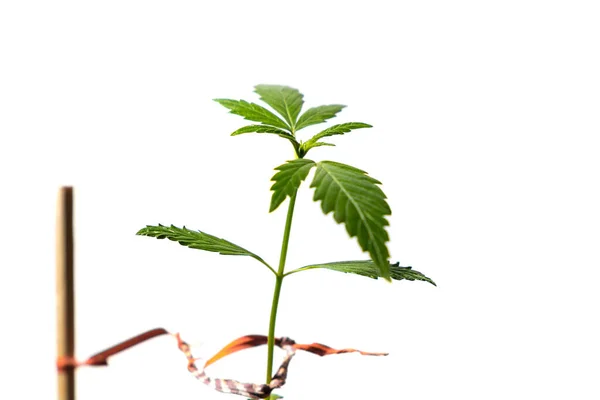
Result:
{"points": [[252, 112], [368, 269], [339, 129], [263, 129], [317, 115], [288, 179], [285, 100], [357, 201], [198, 240]]}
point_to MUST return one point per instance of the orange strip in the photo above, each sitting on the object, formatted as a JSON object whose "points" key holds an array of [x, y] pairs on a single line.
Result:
{"points": [[238, 344], [245, 342]]}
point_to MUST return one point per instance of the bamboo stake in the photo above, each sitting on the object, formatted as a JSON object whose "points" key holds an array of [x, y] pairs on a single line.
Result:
{"points": [[65, 295]]}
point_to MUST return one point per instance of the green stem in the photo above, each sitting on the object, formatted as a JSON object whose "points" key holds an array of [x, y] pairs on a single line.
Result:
{"points": [[278, 281]]}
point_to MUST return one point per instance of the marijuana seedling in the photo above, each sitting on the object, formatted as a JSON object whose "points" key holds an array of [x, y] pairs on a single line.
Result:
{"points": [[354, 197]]}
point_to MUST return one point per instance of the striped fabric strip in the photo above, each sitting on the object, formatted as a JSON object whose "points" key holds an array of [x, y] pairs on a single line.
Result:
{"points": [[251, 390]]}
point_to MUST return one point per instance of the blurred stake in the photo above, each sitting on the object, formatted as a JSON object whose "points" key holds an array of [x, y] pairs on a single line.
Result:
{"points": [[65, 296]]}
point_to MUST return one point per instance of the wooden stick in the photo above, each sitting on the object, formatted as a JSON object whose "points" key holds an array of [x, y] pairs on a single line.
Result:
{"points": [[65, 294]]}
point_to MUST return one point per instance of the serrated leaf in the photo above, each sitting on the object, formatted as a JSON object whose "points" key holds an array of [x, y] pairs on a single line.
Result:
{"points": [[263, 129], [197, 240], [285, 100], [339, 129], [319, 144], [369, 269], [288, 179], [359, 203], [253, 112], [316, 115]]}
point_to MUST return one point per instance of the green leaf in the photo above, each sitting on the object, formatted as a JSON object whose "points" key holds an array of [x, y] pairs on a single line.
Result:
{"points": [[370, 270], [359, 203], [288, 180], [263, 129], [285, 100], [333, 130], [198, 240], [319, 144], [253, 112], [316, 115]]}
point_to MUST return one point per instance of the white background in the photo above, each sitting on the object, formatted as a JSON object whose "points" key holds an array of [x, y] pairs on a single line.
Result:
{"points": [[485, 134]]}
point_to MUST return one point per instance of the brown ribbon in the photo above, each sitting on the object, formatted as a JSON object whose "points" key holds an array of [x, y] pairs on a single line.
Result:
{"points": [[226, 385]]}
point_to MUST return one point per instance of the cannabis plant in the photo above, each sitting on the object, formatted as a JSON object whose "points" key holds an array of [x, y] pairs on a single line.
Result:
{"points": [[355, 199]]}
